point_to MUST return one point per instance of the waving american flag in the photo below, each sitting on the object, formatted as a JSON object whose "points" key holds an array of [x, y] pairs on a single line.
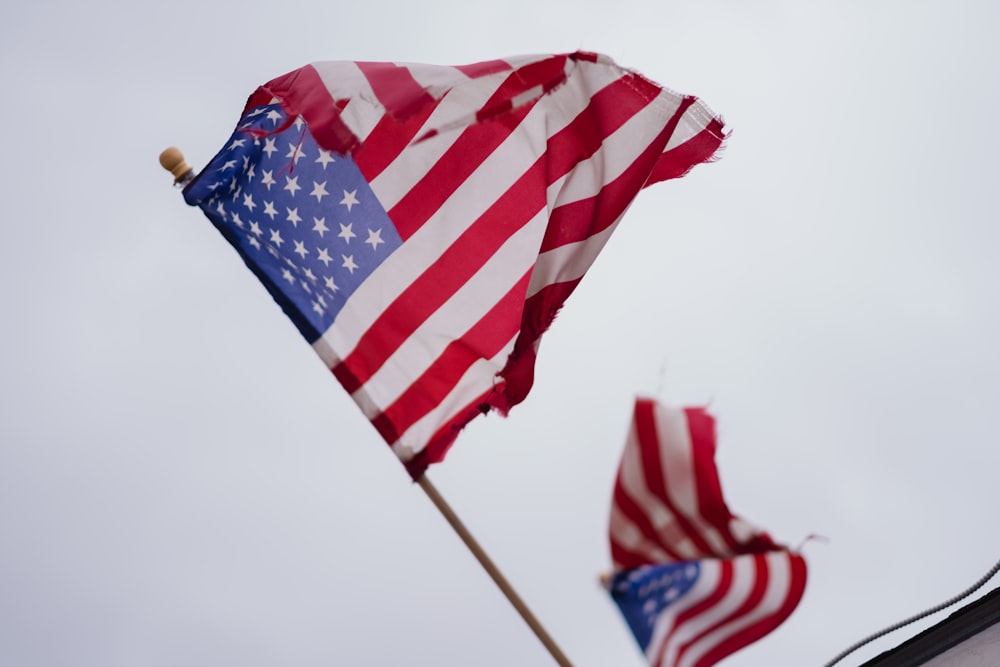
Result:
{"points": [[694, 582], [421, 225]]}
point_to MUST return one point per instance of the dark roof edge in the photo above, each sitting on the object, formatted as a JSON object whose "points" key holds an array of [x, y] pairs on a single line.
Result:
{"points": [[935, 640]]}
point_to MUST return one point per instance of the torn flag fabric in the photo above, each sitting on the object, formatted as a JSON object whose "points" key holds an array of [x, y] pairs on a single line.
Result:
{"points": [[421, 225], [694, 582]]}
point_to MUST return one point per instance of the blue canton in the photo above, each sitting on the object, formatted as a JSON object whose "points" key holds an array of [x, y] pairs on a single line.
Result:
{"points": [[644, 592], [304, 220]]}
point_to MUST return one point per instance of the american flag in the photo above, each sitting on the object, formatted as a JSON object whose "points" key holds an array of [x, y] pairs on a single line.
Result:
{"points": [[421, 225], [694, 582]]}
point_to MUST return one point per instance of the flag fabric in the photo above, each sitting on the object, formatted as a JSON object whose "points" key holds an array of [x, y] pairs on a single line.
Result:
{"points": [[694, 582], [421, 225]]}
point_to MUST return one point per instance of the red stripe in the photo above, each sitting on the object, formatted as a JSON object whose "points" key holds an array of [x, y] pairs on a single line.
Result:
{"points": [[586, 56], [442, 440], [387, 140], [652, 468], [609, 109], [397, 90], [679, 160], [303, 92], [456, 265], [796, 587], [711, 505], [482, 341], [484, 68], [721, 588], [539, 311], [579, 220], [726, 646]]}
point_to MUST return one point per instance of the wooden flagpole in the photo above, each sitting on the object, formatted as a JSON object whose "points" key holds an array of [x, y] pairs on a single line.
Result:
{"points": [[173, 161], [493, 571]]}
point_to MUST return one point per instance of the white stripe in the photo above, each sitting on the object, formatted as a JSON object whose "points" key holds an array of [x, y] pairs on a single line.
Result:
{"points": [[474, 382], [457, 315], [326, 353], [695, 119], [569, 261], [343, 79], [361, 116], [774, 597]]}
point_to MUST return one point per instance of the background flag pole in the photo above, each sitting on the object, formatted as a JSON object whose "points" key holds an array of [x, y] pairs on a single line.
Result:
{"points": [[173, 161], [492, 570]]}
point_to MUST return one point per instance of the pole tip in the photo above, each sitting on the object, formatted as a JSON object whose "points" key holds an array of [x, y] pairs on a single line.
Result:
{"points": [[172, 159]]}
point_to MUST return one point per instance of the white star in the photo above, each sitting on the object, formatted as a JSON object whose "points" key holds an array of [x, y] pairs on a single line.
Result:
{"points": [[349, 263], [267, 178], [324, 158], [248, 201], [310, 275], [255, 229], [287, 275], [318, 308], [276, 238], [330, 285], [222, 210], [237, 221], [236, 143], [228, 165], [254, 242], [319, 226], [324, 256], [299, 122], [269, 209], [269, 146], [292, 184], [300, 249], [319, 191], [251, 172], [293, 216], [295, 152], [374, 238], [274, 116], [346, 233], [349, 199]]}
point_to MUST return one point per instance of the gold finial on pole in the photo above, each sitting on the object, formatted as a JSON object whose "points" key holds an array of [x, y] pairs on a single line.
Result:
{"points": [[173, 161]]}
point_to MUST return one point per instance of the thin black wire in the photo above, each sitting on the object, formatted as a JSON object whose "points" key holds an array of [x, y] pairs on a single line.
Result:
{"points": [[912, 619]]}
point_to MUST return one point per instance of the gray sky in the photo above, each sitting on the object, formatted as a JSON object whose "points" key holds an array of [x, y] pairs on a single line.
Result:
{"points": [[182, 482]]}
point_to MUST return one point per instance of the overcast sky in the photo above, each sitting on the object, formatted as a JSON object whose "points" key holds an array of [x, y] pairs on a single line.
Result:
{"points": [[183, 483]]}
